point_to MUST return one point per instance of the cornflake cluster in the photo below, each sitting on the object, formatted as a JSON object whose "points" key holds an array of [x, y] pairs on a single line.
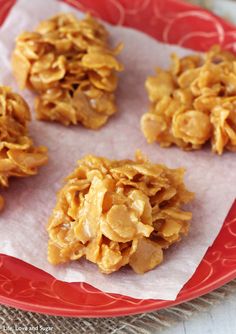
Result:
{"points": [[72, 68], [194, 102], [18, 156], [115, 213]]}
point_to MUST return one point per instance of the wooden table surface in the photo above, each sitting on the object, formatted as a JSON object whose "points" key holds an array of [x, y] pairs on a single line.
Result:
{"points": [[220, 319]]}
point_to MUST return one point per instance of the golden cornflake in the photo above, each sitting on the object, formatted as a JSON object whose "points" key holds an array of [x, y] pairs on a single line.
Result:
{"points": [[194, 102], [115, 213], [2, 203], [72, 68], [18, 156]]}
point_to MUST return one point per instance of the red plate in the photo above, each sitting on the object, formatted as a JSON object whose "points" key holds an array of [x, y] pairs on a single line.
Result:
{"points": [[28, 288]]}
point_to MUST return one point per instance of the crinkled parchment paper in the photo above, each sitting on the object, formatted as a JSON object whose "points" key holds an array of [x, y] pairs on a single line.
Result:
{"points": [[30, 201]]}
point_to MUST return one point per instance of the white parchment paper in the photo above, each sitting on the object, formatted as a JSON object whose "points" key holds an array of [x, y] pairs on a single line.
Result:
{"points": [[30, 201]]}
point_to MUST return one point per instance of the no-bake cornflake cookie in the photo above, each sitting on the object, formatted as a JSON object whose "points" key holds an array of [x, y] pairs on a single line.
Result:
{"points": [[115, 213], [70, 65], [194, 102], [18, 155]]}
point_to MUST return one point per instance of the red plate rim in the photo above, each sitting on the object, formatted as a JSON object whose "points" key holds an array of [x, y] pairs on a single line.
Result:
{"points": [[34, 290]]}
